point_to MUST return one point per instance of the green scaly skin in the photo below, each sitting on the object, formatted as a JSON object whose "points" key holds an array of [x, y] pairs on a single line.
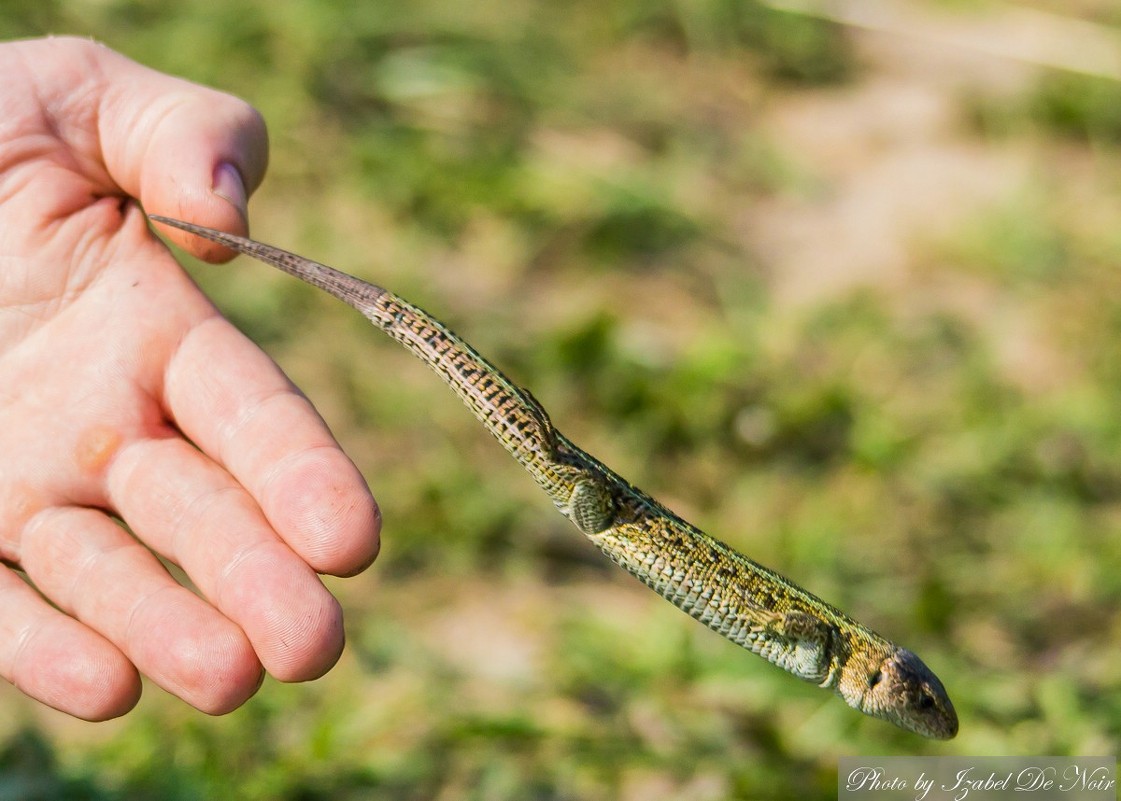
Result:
{"points": [[749, 604]]}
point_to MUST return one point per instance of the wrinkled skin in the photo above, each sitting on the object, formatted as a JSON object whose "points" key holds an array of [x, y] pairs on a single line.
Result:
{"points": [[125, 395]]}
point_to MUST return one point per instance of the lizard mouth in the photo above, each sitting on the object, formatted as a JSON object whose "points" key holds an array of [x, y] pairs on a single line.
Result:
{"points": [[912, 696]]}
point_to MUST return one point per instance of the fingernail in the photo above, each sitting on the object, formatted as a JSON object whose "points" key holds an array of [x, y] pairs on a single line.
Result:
{"points": [[229, 186]]}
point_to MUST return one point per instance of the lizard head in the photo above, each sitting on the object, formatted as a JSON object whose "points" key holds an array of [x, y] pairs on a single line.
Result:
{"points": [[901, 689]]}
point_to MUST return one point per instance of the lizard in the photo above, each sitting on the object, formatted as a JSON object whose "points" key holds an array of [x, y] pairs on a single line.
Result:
{"points": [[751, 605]]}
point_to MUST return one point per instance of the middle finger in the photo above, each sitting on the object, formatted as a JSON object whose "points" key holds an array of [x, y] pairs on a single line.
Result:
{"points": [[193, 512]]}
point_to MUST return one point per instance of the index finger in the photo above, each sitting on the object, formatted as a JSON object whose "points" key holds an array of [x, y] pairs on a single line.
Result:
{"points": [[236, 405]]}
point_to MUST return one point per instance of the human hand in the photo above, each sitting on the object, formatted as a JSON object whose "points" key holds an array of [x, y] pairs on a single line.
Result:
{"points": [[125, 394]]}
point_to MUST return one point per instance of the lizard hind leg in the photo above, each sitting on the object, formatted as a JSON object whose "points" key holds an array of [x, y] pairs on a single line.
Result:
{"points": [[591, 506]]}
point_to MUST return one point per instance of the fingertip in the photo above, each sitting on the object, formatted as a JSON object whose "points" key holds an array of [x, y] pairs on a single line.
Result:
{"points": [[115, 690], [229, 692], [294, 623], [216, 675], [323, 508], [197, 246], [82, 675], [209, 663], [314, 652], [226, 209], [186, 151], [228, 191]]}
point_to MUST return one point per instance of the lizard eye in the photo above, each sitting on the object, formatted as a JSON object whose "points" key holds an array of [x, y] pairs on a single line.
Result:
{"points": [[874, 679], [927, 701]]}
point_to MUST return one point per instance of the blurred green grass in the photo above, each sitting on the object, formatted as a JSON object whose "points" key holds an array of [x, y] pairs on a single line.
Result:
{"points": [[569, 185]]}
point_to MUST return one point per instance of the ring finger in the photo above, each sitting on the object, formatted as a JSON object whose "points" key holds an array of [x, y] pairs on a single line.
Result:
{"points": [[94, 570]]}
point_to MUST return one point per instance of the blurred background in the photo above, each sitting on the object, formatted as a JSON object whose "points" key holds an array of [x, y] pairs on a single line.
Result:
{"points": [[837, 281]]}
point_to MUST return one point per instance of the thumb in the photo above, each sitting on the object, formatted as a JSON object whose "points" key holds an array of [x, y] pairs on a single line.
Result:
{"points": [[183, 150]]}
